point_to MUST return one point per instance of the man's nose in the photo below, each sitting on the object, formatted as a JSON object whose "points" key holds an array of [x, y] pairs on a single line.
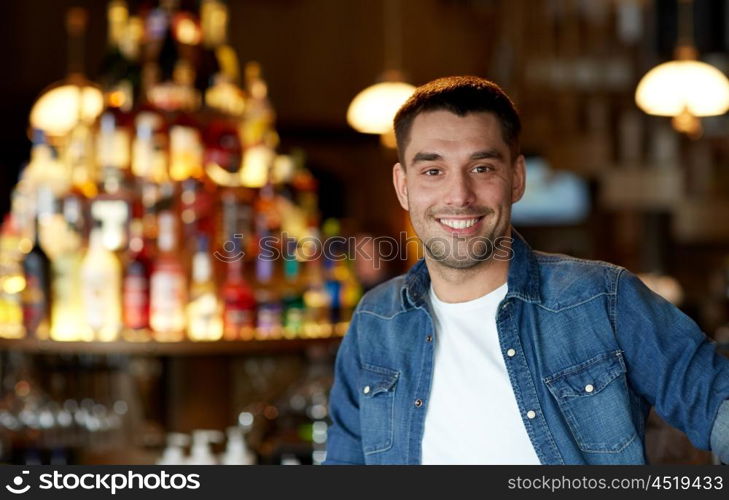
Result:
{"points": [[459, 191]]}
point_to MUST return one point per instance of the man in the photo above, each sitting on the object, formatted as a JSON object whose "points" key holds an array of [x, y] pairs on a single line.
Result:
{"points": [[489, 352]]}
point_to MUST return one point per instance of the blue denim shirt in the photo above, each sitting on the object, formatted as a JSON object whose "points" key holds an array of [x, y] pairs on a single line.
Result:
{"points": [[572, 323]]}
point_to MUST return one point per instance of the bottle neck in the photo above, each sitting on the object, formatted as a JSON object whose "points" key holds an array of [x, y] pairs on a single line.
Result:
{"points": [[117, 16]]}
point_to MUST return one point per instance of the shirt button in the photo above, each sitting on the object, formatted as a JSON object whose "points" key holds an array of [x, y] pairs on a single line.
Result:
{"points": [[418, 403], [589, 388], [429, 338], [531, 414], [366, 390], [511, 353]]}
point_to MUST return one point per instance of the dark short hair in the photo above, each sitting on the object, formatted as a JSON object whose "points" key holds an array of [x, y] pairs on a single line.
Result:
{"points": [[460, 95]]}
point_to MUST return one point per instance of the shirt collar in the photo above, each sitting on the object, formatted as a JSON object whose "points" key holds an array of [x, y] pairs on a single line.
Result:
{"points": [[523, 277]]}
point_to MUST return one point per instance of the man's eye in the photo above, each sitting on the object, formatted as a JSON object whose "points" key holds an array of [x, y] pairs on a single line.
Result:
{"points": [[432, 171], [481, 169]]}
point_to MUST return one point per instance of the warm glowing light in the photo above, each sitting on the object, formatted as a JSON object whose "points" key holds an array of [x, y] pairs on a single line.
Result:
{"points": [[257, 162], [373, 109], [188, 32], [14, 284], [58, 110], [676, 87]]}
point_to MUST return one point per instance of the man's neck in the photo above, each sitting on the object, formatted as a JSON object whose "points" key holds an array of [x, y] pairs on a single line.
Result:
{"points": [[461, 285]]}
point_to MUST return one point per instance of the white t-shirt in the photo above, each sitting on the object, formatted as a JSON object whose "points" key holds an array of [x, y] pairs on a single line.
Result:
{"points": [[472, 416]]}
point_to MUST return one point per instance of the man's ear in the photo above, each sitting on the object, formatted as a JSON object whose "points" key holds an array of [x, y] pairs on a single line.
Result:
{"points": [[518, 180], [399, 180]]}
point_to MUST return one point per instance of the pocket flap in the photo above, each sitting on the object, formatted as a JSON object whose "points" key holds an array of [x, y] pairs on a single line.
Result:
{"points": [[377, 379], [587, 378]]}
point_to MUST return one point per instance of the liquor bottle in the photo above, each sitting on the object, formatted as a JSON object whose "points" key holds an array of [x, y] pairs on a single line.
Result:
{"points": [[168, 290], [259, 135], [333, 287], [212, 19], [45, 170], [149, 149], [150, 144], [101, 276], [113, 143], [317, 302], [135, 287], [114, 66], [68, 322], [218, 69], [239, 303], [224, 100], [204, 318], [198, 198], [37, 293], [12, 280], [78, 157], [292, 299], [112, 208], [186, 147], [270, 310]]}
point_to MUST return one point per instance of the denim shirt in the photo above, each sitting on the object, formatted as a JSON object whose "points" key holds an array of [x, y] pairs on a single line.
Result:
{"points": [[588, 349]]}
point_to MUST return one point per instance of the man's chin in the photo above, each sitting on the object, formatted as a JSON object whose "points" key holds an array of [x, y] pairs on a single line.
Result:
{"points": [[458, 262]]}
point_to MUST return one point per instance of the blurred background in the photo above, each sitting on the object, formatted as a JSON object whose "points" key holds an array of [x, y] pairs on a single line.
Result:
{"points": [[147, 148]]}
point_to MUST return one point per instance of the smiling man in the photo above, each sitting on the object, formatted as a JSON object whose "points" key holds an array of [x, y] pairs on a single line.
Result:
{"points": [[487, 352]]}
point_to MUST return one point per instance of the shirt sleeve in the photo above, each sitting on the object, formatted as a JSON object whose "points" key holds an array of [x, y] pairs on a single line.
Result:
{"points": [[673, 365], [344, 443], [720, 433]]}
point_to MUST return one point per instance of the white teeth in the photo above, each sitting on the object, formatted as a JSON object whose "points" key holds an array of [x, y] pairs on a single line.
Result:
{"points": [[459, 223]]}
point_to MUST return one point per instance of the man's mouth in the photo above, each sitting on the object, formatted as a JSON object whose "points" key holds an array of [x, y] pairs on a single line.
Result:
{"points": [[460, 224]]}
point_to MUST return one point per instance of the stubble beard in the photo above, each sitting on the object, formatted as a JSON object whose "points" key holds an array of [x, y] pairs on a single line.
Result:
{"points": [[456, 252]]}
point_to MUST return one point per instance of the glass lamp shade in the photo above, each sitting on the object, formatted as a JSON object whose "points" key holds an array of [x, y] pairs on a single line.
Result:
{"points": [[373, 109], [683, 87], [57, 110]]}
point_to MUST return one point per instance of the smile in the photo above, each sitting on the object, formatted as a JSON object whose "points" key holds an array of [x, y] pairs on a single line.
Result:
{"points": [[461, 223]]}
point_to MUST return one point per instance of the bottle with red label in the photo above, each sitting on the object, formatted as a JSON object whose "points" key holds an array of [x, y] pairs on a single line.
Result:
{"points": [[239, 303], [168, 285], [136, 286]]}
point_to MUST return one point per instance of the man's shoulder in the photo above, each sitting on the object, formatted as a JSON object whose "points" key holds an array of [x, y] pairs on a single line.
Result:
{"points": [[566, 281], [384, 299]]}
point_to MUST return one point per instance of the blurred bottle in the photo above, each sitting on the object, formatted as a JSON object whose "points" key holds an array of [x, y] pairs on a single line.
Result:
{"points": [[101, 280], [293, 299], [186, 149], [269, 315], [174, 453], [239, 303], [236, 449], [37, 293], [200, 451], [12, 281], [168, 290], [204, 318], [135, 294], [259, 135], [149, 150], [317, 318], [67, 312]]}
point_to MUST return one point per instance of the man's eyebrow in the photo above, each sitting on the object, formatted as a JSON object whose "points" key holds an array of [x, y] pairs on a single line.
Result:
{"points": [[488, 154], [425, 157]]}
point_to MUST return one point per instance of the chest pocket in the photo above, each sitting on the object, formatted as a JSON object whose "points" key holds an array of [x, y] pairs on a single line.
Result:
{"points": [[593, 397], [377, 407]]}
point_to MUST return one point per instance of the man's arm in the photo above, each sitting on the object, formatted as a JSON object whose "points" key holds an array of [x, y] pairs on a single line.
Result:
{"points": [[673, 365], [344, 444]]}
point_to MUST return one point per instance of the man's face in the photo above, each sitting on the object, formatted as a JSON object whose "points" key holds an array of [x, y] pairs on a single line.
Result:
{"points": [[458, 184]]}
